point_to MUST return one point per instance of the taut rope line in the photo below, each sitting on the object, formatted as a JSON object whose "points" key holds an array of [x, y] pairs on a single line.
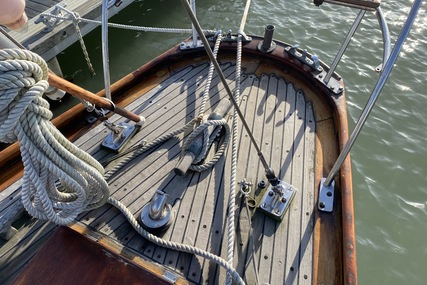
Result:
{"points": [[47, 155]]}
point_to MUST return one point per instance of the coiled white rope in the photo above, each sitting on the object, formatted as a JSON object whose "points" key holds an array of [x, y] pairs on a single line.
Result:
{"points": [[47, 155]]}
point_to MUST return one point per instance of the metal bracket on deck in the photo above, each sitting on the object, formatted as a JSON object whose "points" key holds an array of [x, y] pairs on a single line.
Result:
{"points": [[119, 136], [302, 56], [51, 22], [190, 45], [170, 276], [332, 84], [326, 196], [314, 62], [277, 199], [230, 37]]}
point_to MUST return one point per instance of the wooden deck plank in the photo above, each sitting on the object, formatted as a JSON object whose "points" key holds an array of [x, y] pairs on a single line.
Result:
{"points": [[178, 228], [254, 112], [308, 198], [194, 227], [278, 266], [259, 220], [297, 181], [269, 98], [261, 242], [243, 221]]}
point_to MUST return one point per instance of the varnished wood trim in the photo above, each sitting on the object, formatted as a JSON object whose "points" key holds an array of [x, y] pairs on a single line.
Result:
{"points": [[119, 249]]}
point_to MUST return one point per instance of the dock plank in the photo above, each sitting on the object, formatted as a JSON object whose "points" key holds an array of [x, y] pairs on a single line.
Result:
{"points": [[49, 44]]}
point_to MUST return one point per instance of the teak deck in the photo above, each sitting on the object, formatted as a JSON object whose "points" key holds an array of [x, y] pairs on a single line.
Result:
{"points": [[296, 132]]}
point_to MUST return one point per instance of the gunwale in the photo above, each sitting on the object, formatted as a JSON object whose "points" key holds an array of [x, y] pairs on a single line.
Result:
{"points": [[332, 133]]}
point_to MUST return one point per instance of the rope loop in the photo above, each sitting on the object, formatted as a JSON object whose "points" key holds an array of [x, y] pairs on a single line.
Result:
{"points": [[207, 142]]}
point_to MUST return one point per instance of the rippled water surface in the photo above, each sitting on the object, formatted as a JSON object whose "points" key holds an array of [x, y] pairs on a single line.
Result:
{"points": [[390, 155]]}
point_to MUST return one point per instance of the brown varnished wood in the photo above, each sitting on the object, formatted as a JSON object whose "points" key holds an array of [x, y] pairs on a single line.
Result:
{"points": [[368, 4], [70, 258], [328, 239], [81, 93]]}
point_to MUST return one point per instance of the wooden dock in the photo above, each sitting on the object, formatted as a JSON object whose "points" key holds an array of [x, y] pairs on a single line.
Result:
{"points": [[48, 43]]}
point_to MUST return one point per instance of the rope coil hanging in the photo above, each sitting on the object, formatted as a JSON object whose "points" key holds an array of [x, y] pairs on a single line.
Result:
{"points": [[47, 155]]}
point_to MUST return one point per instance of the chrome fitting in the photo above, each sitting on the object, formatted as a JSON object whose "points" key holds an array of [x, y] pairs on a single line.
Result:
{"points": [[156, 216]]}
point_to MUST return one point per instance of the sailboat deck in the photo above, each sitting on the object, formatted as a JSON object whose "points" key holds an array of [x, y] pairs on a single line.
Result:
{"points": [[282, 118], [283, 123]]}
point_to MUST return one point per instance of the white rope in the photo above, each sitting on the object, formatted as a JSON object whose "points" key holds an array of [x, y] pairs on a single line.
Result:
{"points": [[234, 148], [204, 126], [146, 146], [174, 245], [122, 26], [210, 75], [39, 194], [47, 155]]}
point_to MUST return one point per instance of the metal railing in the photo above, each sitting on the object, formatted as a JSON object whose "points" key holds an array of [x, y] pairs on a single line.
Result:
{"points": [[388, 66]]}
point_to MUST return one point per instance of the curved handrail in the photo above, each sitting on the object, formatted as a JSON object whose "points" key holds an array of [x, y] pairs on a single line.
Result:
{"points": [[386, 38], [386, 41], [375, 93]]}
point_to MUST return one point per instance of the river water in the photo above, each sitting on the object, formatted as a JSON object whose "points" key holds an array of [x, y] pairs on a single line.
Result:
{"points": [[390, 155]]}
